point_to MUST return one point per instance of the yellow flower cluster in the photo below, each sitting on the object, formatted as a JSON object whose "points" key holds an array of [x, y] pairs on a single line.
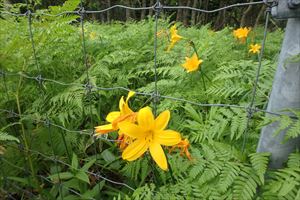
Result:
{"points": [[140, 131], [174, 37], [192, 63], [254, 48], [241, 34]]}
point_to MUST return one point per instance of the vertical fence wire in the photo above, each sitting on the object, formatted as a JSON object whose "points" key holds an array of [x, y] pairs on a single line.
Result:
{"points": [[48, 125], [7, 98], [157, 7], [155, 99], [251, 108], [40, 87], [88, 86]]}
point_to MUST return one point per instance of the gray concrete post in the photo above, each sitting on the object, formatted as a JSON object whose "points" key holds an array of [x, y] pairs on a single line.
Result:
{"points": [[285, 94]]}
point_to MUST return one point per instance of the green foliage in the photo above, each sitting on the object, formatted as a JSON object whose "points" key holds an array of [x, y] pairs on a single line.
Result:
{"points": [[122, 55], [6, 137]]}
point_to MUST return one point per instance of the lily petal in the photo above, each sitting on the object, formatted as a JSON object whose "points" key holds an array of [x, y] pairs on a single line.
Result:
{"points": [[130, 94], [167, 137], [104, 129], [145, 118], [162, 120], [130, 129], [158, 155], [135, 150], [121, 103], [112, 116]]}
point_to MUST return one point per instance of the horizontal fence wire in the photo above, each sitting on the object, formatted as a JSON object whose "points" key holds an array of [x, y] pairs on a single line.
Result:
{"points": [[153, 7], [157, 7], [153, 95], [97, 175], [42, 177], [47, 122]]}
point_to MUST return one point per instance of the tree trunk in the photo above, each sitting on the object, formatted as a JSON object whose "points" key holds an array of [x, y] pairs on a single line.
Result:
{"points": [[221, 17], [100, 5], [133, 12], [194, 13], [108, 15], [179, 11], [205, 15], [199, 14], [128, 13], [143, 13], [261, 12], [186, 14], [245, 15], [202, 16], [151, 10]]}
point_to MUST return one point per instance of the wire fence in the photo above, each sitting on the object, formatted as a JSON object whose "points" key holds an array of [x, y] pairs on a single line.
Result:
{"points": [[88, 87]]}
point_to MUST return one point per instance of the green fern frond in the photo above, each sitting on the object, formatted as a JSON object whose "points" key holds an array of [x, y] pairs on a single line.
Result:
{"points": [[6, 137], [259, 163]]}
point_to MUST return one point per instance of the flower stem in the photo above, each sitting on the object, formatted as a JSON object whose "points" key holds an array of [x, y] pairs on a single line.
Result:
{"points": [[27, 153], [202, 78], [171, 171], [154, 171]]}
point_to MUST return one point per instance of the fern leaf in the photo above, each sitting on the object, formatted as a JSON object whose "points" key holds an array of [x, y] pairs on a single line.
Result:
{"points": [[260, 162], [6, 137]]}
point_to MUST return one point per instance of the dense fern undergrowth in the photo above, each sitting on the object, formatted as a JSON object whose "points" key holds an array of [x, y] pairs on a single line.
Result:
{"points": [[122, 54]]}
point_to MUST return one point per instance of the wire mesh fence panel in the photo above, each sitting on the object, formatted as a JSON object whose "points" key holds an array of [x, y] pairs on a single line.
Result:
{"points": [[88, 89]]}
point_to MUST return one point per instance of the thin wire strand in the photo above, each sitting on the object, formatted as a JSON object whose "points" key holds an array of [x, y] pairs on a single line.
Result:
{"points": [[31, 39], [83, 87], [55, 163], [81, 132], [42, 92], [8, 194], [137, 8], [88, 88], [157, 12], [43, 177], [21, 189], [215, 10], [70, 166], [250, 114], [250, 109]]}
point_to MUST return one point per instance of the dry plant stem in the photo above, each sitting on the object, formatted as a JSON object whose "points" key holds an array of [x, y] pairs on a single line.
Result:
{"points": [[27, 152]]}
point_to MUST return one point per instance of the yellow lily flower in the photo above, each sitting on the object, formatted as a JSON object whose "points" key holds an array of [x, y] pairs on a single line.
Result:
{"points": [[254, 48], [174, 37], [149, 134], [192, 64], [115, 117], [93, 35], [241, 34]]}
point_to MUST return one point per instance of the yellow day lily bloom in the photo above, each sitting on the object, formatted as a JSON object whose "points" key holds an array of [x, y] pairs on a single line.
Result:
{"points": [[174, 37], [254, 48], [93, 35], [149, 134], [192, 64], [115, 117], [241, 34]]}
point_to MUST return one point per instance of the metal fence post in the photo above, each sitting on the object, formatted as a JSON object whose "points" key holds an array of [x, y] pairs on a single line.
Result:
{"points": [[286, 87]]}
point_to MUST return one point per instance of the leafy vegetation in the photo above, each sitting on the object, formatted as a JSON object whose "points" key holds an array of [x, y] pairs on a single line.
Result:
{"points": [[55, 163]]}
